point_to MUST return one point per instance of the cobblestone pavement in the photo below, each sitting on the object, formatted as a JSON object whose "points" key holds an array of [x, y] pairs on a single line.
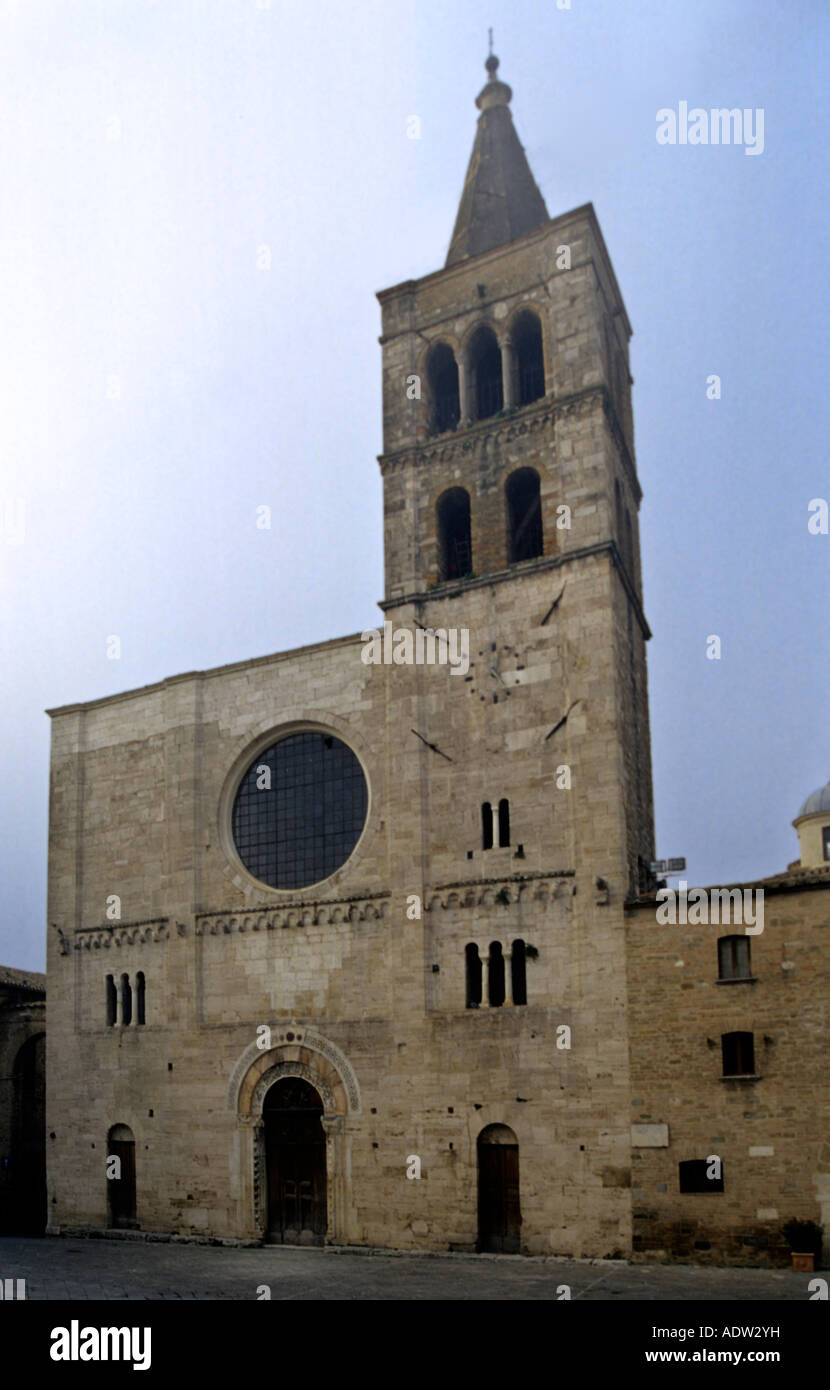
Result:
{"points": [[72, 1268]]}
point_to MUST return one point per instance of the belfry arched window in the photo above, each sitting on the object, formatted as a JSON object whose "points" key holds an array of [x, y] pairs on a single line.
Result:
{"points": [[485, 373], [524, 516], [504, 822], [442, 381], [455, 549], [486, 825], [528, 358]]}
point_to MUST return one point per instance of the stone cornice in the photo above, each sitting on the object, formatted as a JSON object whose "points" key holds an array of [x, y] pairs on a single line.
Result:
{"points": [[510, 889], [525, 420], [372, 907], [121, 934], [454, 588]]}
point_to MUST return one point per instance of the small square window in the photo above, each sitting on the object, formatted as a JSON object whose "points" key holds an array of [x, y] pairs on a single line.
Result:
{"points": [[738, 1054], [733, 958]]}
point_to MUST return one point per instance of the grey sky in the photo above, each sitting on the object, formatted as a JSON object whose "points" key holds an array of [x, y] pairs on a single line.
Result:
{"points": [[149, 150]]}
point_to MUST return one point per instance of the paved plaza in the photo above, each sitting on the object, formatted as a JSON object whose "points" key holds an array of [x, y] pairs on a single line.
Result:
{"points": [[73, 1268]]}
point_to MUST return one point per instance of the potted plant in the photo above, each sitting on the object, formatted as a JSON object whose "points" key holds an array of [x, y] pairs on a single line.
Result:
{"points": [[804, 1239]]}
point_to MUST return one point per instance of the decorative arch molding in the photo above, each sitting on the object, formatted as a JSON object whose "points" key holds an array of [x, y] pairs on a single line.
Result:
{"points": [[309, 1055], [298, 1069], [320, 1062]]}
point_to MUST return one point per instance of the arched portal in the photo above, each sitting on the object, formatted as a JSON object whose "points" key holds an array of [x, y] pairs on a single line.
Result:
{"points": [[295, 1161], [499, 1214], [121, 1177]]}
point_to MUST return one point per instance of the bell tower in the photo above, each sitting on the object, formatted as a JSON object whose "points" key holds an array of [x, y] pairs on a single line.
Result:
{"points": [[511, 501]]}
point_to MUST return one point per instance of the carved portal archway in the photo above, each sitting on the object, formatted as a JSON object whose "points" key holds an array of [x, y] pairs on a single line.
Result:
{"points": [[318, 1061]]}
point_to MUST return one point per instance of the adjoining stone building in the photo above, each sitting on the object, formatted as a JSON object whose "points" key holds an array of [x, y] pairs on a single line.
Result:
{"points": [[22, 1113], [728, 1029], [339, 947]]}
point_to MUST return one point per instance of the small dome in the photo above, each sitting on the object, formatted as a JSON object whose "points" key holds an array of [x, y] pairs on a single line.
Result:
{"points": [[816, 801]]}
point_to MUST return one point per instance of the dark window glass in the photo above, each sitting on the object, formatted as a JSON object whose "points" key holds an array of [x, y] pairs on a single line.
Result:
{"points": [[300, 810], [473, 972], [826, 841], [518, 973], [693, 1177], [733, 958], [139, 997], [486, 825], [738, 1054]]}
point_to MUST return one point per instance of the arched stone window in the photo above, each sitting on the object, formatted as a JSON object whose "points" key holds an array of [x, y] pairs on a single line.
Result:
{"points": [[495, 976], [486, 825], [484, 357], [518, 973], [528, 358], [472, 963], [112, 1001], [454, 538], [504, 822], [442, 380], [524, 516], [126, 1001], [139, 997]]}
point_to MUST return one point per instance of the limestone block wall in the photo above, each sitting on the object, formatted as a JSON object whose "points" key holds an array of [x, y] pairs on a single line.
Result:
{"points": [[770, 1133]]}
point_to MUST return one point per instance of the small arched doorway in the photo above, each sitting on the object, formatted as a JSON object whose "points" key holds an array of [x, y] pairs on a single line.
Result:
{"points": [[499, 1215], [121, 1177], [295, 1157]]}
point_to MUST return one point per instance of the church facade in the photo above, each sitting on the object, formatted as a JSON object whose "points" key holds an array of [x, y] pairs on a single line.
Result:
{"points": [[347, 944]]}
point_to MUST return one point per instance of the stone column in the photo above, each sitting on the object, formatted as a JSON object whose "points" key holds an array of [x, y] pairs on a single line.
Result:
{"points": [[508, 388], [333, 1128], [463, 389]]}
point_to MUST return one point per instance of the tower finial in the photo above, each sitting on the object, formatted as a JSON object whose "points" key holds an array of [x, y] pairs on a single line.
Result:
{"points": [[492, 63]]}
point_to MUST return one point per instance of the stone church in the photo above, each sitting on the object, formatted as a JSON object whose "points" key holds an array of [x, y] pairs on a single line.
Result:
{"points": [[363, 951]]}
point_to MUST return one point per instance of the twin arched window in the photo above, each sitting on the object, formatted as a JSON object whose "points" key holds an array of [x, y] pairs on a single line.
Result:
{"points": [[525, 539], [476, 388]]}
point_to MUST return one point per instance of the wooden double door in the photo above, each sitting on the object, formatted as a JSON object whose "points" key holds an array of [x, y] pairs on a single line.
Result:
{"points": [[295, 1154]]}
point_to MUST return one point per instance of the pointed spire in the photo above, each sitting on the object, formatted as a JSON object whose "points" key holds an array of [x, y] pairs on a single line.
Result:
{"points": [[500, 200]]}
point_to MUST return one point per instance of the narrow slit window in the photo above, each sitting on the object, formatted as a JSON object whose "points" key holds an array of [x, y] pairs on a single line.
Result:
{"points": [[112, 1001], [495, 976], [139, 998], [504, 822], [126, 1001], [486, 825], [473, 973]]}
